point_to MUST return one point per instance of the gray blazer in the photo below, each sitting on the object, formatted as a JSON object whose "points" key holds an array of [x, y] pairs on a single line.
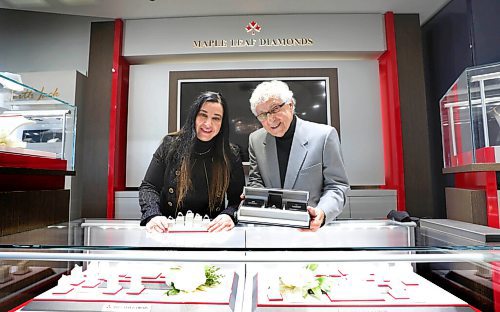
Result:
{"points": [[315, 165]]}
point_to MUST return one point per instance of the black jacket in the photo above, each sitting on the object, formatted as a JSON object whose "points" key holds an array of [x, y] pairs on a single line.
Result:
{"points": [[158, 190]]}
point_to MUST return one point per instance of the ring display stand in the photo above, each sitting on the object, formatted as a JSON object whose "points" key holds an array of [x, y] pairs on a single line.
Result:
{"points": [[274, 207]]}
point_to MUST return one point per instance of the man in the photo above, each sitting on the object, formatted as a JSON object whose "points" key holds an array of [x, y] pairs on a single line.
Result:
{"points": [[292, 153]]}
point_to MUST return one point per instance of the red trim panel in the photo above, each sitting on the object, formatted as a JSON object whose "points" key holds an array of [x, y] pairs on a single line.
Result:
{"points": [[391, 115], [10, 160], [485, 155], [28, 182], [118, 121]]}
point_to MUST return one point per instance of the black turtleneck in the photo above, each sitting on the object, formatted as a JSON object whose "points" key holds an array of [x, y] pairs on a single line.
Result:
{"points": [[283, 147], [201, 148], [196, 199]]}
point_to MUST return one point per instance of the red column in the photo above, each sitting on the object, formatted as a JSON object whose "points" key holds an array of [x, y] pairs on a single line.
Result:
{"points": [[391, 115], [118, 121]]}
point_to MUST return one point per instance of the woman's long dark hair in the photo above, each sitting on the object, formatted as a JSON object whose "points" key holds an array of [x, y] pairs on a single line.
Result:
{"points": [[182, 149]]}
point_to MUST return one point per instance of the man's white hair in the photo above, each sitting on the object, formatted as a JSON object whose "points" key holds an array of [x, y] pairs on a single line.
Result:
{"points": [[274, 89]]}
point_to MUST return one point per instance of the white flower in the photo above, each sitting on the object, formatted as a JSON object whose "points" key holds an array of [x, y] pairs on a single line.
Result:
{"points": [[299, 278], [187, 277], [297, 283]]}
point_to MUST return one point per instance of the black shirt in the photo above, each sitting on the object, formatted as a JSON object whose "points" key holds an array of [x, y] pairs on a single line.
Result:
{"points": [[196, 199], [158, 190], [283, 147]]}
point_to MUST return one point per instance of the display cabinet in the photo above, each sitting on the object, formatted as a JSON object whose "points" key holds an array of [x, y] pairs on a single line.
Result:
{"points": [[35, 123], [115, 265], [470, 124], [37, 148], [470, 117]]}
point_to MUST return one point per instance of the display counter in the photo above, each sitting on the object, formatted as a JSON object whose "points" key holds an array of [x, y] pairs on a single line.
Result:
{"points": [[100, 265], [37, 148]]}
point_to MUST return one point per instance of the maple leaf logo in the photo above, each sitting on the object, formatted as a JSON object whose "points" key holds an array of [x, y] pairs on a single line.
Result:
{"points": [[253, 27]]}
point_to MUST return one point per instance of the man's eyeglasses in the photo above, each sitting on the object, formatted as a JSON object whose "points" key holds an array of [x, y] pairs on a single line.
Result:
{"points": [[274, 110]]}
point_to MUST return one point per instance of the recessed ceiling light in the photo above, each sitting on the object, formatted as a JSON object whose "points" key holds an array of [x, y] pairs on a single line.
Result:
{"points": [[28, 3], [78, 2]]}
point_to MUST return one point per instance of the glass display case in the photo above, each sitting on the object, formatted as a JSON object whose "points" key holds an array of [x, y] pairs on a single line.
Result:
{"points": [[362, 265], [470, 117], [35, 123]]}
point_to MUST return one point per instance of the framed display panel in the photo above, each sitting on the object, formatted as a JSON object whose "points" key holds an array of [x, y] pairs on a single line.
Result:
{"points": [[315, 92]]}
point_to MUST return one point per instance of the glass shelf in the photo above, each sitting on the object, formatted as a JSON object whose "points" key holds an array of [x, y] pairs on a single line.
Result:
{"points": [[35, 123]]}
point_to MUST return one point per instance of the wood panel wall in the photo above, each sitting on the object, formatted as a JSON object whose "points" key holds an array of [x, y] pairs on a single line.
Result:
{"points": [[93, 124], [420, 186], [27, 210]]}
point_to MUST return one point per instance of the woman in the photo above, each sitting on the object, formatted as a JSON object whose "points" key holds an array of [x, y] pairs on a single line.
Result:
{"points": [[194, 169]]}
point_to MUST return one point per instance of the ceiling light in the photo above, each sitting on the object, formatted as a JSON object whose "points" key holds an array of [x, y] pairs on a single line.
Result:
{"points": [[28, 3], [78, 2]]}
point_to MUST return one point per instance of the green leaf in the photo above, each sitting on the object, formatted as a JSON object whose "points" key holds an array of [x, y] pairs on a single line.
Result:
{"points": [[212, 278], [316, 292], [321, 280], [305, 292], [325, 283], [312, 266], [173, 291]]}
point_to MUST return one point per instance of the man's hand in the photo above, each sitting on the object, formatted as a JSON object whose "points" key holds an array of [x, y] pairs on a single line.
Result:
{"points": [[157, 224], [222, 222], [317, 216]]}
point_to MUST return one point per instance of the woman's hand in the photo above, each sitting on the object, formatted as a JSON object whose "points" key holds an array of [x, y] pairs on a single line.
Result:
{"points": [[157, 224], [222, 222]]}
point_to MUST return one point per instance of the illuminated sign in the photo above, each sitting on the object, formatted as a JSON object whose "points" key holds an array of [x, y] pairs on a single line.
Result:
{"points": [[252, 28]]}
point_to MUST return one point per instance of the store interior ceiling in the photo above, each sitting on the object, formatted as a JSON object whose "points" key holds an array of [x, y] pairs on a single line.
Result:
{"points": [[141, 9]]}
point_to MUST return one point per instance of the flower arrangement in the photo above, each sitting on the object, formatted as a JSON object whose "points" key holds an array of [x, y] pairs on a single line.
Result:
{"points": [[304, 282], [191, 277]]}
